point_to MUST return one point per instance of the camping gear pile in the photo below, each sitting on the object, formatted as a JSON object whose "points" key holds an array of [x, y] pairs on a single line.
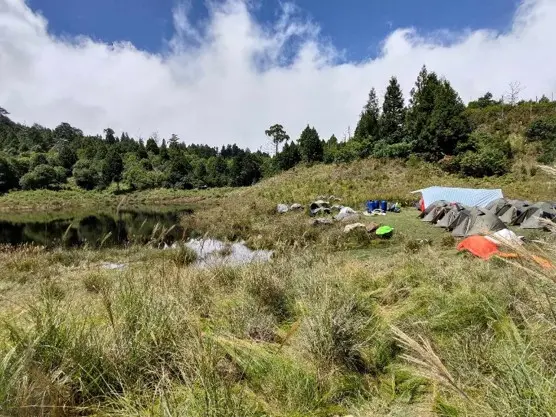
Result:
{"points": [[376, 207], [284, 208], [469, 212], [321, 210]]}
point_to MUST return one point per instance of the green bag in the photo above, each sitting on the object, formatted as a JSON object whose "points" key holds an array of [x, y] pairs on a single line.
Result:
{"points": [[384, 231]]}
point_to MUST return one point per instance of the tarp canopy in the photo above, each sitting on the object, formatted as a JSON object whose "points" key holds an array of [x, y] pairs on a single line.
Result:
{"points": [[472, 197]]}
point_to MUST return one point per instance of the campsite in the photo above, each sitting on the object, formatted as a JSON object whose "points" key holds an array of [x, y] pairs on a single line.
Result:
{"points": [[328, 321], [248, 208]]}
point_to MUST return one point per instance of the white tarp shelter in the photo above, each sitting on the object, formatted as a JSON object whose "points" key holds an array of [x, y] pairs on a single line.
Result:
{"points": [[472, 197]]}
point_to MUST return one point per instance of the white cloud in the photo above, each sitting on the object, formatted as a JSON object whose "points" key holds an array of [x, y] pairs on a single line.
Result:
{"points": [[230, 79]]}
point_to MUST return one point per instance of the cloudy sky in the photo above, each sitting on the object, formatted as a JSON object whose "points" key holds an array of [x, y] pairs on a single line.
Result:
{"points": [[223, 71]]}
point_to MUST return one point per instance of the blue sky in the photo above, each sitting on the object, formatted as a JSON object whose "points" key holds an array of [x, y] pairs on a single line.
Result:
{"points": [[261, 65], [355, 27]]}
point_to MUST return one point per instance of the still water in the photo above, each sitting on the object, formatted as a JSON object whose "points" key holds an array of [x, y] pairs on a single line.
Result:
{"points": [[95, 229]]}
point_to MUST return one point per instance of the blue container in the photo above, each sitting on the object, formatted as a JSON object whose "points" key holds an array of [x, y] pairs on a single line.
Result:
{"points": [[369, 206], [376, 204], [384, 206]]}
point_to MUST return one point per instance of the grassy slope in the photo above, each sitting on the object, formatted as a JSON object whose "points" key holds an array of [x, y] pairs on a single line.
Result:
{"points": [[310, 334], [249, 213]]}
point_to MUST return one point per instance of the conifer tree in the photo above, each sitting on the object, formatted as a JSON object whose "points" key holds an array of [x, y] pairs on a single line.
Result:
{"points": [[368, 125], [421, 106], [310, 146], [436, 121], [393, 114]]}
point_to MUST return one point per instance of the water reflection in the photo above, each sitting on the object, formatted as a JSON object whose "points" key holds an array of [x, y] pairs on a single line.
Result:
{"points": [[96, 229]]}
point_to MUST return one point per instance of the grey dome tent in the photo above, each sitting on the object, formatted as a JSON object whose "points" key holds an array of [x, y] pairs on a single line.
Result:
{"points": [[450, 216], [434, 211], [531, 217], [432, 206], [495, 206], [504, 209], [508, 214], [476, 221], [508, 210]]}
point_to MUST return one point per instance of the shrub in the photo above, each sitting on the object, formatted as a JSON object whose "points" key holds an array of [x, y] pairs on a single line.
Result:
{"points": [[542, 129], [8, 175], [86, 175], [38, 159], [395, 150], [140, 179], [548, 156], [486, 162], [43, 176], [346, 152], [20, 166]]}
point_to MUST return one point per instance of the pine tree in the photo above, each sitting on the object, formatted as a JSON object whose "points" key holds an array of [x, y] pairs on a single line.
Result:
{"points": [[419, 114], [289, 157], [67, 157], [11, 143], [163, 150], [448, 124], [151, 146], [368, 124], [141, 150], [310, 146], [110, 138], [393, 114], [436, 121], [112, 168]]}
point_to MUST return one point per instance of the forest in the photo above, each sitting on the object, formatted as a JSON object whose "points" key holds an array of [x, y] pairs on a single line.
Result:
{"points": [[483, 138]]}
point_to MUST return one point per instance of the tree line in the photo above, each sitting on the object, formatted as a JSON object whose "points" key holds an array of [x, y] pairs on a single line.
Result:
{"points": [[483, 138], [40, 158], [480, 139]]}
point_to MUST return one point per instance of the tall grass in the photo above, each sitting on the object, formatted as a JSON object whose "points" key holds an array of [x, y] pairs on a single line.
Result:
{"points": [[313, 333]]}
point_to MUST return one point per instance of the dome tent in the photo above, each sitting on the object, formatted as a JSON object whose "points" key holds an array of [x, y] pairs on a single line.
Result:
{"points": [[531, 217], [475, 222]]}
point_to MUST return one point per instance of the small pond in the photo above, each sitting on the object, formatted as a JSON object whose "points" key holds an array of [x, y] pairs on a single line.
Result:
{"points": [[106, 229], [213, 252]]}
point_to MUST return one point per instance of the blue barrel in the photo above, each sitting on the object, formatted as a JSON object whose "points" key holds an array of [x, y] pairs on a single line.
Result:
{"points": [[376, 204], [369, 206], [384, 206]]}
